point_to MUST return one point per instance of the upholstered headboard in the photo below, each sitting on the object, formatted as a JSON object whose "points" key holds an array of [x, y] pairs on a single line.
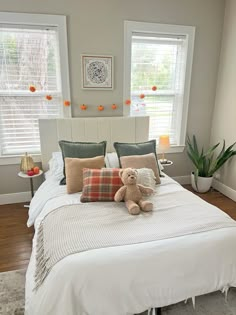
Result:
{"points": [[111, 129]]}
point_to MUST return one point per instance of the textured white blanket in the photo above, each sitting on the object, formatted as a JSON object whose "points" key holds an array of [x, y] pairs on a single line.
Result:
{"points": [[77, 228]]}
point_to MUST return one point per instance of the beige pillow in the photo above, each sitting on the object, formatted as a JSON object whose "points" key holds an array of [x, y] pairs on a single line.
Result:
{"points": [[141, 161], [74, 171]]}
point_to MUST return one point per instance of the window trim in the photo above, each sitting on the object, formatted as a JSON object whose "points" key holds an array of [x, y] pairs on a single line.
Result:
{"points": [[58, 21], [15, 159], [131, 27]]}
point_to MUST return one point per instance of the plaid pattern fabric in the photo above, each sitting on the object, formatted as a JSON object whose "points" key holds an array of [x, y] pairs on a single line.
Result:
{"points": [[100, 184]]}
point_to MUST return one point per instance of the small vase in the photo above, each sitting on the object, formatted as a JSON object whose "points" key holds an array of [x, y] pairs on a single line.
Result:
{"points": [[203, 183]]}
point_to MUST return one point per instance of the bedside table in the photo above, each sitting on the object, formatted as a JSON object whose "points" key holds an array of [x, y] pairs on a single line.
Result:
{"points": [[25, 176], [166, 162]]}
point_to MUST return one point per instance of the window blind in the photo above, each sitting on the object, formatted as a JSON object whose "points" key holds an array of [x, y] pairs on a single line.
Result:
{"points": [[158, 60], [28, 56]]}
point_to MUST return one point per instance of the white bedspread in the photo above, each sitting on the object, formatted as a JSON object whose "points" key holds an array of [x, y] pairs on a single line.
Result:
{"points": [[129, 279]]}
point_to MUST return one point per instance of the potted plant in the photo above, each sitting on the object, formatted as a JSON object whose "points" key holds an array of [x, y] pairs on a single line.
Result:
{"points": [[206, 163]]}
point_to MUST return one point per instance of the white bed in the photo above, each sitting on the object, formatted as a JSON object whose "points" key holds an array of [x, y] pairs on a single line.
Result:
{"points": [[129, 279]]}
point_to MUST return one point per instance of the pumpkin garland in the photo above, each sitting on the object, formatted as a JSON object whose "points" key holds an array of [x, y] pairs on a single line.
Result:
{"points": [[100, 108]]}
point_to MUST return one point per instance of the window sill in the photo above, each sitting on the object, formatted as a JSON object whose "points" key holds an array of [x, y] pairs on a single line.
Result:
{"points": [[173, 149], [16, 159]]}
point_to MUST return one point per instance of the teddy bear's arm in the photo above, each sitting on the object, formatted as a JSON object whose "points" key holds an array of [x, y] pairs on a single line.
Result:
{"points": [[145, 190], [120, 194]]}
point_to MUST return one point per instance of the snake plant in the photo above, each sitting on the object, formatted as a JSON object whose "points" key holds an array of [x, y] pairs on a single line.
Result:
{"points": [[207, 163]]}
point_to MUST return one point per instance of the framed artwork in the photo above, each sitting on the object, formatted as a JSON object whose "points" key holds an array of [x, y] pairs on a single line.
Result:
{"points": [[97, 72]]}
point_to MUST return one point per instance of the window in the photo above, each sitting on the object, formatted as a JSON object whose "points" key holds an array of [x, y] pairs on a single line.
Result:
{"points": [[32, 53], [158, 61]]}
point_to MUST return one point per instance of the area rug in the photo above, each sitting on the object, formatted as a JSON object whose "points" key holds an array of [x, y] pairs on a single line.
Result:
{"points": [[209, 304], [12, 293]]}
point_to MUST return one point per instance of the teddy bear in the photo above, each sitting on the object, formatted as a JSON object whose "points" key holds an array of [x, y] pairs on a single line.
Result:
{"points": [[132, 192]]}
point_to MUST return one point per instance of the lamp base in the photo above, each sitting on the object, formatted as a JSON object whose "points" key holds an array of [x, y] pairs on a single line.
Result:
{"points": [[165, 161]]}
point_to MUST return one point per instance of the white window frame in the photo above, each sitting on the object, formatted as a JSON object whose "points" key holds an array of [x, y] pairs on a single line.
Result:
{"points": [[131, 27], [58, 21]]}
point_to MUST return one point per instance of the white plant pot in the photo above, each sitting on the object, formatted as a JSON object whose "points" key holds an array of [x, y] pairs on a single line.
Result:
{"points": [[203, 183]]}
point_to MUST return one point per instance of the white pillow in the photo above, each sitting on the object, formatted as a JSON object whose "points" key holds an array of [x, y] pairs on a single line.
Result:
{"points": [[112, 161], [56, 166], [146, 177]]}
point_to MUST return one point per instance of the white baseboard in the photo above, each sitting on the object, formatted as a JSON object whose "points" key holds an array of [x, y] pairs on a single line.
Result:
{"points": [[183, 180], [15, 197], [225, 190]]}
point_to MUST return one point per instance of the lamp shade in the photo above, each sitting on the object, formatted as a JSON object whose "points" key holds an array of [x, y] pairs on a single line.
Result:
{"points": [[164, 142]]}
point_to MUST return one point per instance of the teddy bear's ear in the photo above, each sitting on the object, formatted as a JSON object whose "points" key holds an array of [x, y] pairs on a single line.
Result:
{"points": [[136, 171], [121, 172]]}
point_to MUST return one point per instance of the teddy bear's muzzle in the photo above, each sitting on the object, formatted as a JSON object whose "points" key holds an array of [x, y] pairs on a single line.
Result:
{"points": [[132, 180]]}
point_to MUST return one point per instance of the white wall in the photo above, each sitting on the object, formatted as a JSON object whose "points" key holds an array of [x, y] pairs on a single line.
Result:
{"points": [[224, 118], [96, 27]]}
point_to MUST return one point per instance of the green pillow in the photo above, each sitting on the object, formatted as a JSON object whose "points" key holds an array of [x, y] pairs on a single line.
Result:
{"points": [[141, 148], [80, 150]]}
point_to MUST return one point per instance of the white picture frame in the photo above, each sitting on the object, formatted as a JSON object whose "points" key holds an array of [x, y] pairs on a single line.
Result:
{"points": [[97, 72]]}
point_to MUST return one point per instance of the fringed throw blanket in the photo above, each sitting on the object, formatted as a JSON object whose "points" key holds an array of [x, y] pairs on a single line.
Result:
{"points": [[77, 228]]}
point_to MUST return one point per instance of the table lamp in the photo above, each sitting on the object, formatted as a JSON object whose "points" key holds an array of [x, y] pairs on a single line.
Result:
{"points": [[164, 144]]}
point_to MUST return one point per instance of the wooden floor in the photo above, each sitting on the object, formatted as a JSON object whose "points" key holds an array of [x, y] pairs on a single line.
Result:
{"points": [[16, 238], [216, 198]]}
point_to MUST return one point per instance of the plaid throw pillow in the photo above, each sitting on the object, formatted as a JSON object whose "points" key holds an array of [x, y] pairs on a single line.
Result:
{"points": [[100, 184]]}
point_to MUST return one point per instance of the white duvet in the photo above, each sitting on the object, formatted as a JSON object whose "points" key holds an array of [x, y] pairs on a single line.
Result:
{"points": [[129, 279]]}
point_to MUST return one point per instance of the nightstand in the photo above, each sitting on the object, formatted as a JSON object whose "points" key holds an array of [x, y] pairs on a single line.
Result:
{"points": [[166, 163], [25, 176]]}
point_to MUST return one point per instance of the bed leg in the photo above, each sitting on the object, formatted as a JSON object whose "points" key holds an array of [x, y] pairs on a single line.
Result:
{"points": [[158, 311]]}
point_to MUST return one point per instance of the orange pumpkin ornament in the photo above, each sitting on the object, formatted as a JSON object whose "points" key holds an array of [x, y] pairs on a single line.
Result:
{"points": [[141, 95], [49, 97], [154, 88], [66, 103], [114, 106], [128, 102], [32, 88], [100, 108], [83, 107]]}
